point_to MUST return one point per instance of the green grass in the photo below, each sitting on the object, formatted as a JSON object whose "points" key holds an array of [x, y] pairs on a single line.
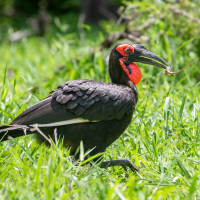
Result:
{"points": [[163, 139]]}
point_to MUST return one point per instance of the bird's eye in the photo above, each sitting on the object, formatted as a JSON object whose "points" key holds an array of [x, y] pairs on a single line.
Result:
{"points": [[127, 50]]}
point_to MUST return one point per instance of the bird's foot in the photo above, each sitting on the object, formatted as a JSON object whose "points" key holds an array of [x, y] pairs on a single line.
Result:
{"points": [[123, 163]]}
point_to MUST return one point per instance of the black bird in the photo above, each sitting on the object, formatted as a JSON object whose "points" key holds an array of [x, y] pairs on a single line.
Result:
{"points": [[93, 112]]}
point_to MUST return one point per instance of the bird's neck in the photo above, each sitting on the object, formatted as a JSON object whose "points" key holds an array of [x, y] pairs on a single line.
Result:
{"points": [[118, 76]]}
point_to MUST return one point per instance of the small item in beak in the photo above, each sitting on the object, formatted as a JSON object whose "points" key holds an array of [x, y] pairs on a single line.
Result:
{"points": [[168, 69]]}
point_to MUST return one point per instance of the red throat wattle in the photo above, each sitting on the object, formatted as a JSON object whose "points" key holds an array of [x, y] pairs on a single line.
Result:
{"points": [[132, 71]]}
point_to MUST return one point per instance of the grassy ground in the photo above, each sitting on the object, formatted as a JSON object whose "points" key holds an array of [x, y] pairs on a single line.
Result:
{"points": [[162, 140]]}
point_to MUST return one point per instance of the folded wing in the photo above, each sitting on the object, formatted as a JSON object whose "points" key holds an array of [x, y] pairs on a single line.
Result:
{"points": [[81, 99]]}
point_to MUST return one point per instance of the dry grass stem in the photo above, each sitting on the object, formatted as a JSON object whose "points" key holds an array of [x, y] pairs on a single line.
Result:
{"points": [[35, 128]]}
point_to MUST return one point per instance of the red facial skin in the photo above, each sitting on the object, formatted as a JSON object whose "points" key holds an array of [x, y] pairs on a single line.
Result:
{"points": [[121, 49], [132, 70]]}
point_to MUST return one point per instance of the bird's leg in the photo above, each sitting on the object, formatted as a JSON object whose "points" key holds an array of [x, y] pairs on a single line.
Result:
{"points": [[123, 163]]}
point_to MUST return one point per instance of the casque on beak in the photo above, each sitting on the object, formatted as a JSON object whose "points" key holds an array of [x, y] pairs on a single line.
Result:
{"points": [[142, 55]]}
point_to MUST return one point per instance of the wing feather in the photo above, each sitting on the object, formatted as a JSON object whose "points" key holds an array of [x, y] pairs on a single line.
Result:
{"points": [[90, 100]]}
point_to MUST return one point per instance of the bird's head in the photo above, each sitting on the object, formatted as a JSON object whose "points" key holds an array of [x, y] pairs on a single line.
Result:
{"points": [[122, 67]]}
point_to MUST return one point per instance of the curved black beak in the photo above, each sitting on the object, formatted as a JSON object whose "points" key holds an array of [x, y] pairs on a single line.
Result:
{"points": [[142, 55]]}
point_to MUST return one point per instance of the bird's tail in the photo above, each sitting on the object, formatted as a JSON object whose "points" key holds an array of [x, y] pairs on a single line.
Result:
{"points": [[13, 131]]}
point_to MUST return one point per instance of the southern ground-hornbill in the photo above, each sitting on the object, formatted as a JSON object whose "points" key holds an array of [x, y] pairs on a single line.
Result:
{"points": [[93, 112]]}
